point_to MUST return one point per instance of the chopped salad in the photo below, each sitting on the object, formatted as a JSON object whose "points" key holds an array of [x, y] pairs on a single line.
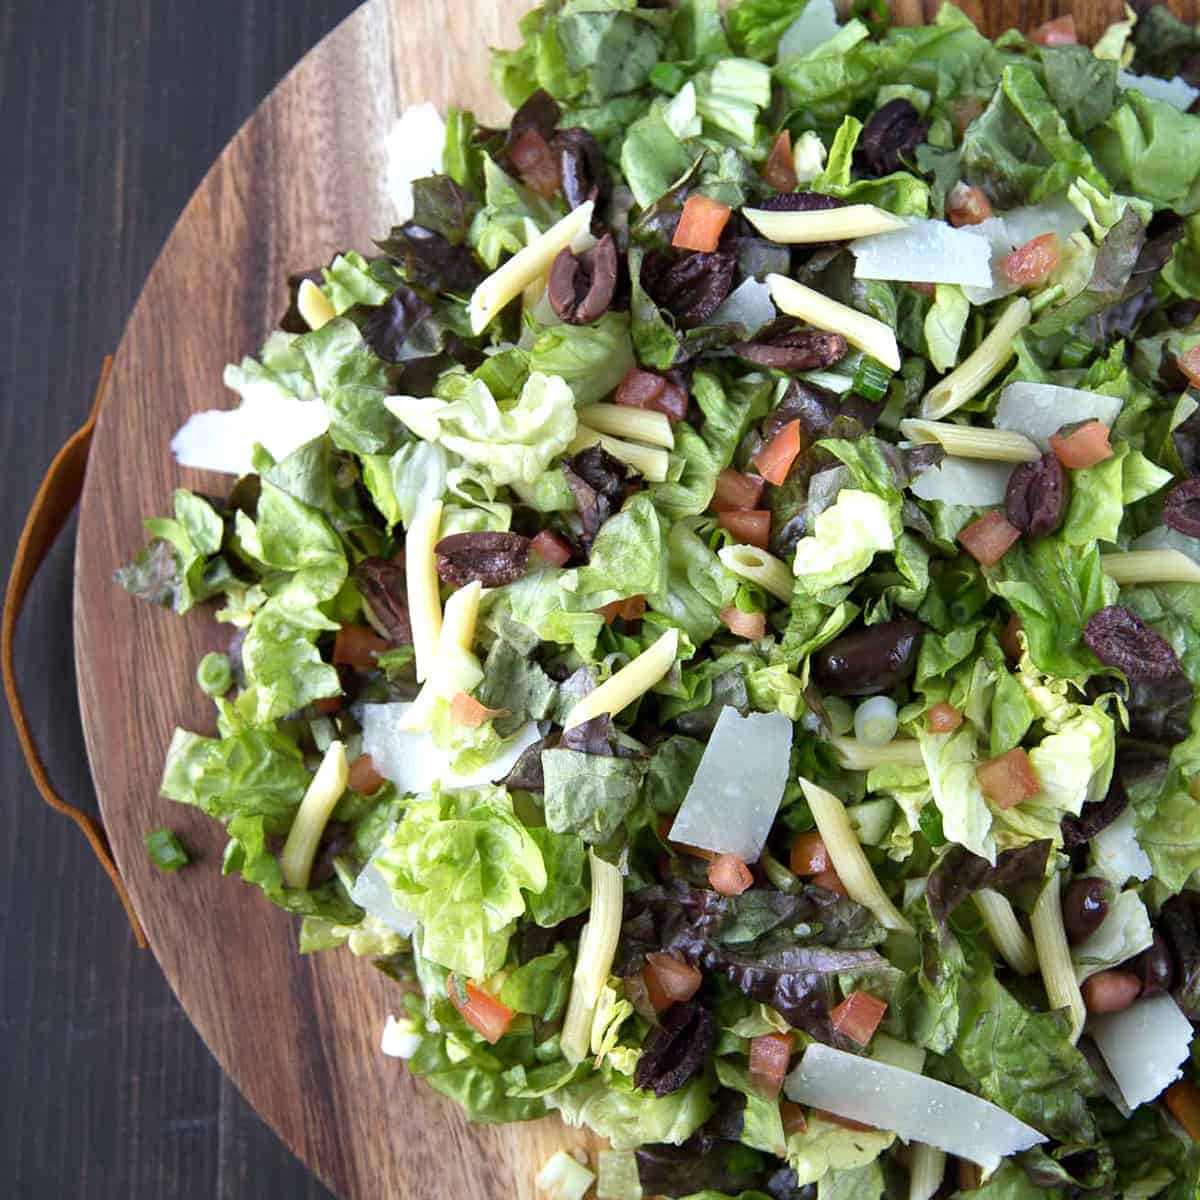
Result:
{"points": [[714, 603]]}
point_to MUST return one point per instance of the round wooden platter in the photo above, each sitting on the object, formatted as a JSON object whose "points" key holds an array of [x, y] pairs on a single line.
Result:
{"points": [[304, 177]]}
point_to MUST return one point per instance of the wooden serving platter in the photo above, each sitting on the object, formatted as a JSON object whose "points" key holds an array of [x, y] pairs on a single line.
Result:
{"points": [[304, 177]]}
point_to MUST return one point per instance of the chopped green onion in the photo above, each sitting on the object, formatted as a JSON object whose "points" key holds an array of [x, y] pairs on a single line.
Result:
{"points": [[777, 874], [667, 77], [1075, 353], [872, 379], [214, 675], [166, 850], [876, 720]]}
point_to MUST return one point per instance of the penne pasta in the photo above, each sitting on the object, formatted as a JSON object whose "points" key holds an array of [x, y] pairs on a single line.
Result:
{"points": [[860, 756], [325, 790], [758, 566], [967, 441], [649, 461], [628, 684], [421, 578], [830, 225], [861, 331], [455, 667], [635, 424], [1011, 941], [1054, 955]]}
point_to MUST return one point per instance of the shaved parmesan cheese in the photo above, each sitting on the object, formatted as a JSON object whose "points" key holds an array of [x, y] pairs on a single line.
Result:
{"points": [[530, 263], [1165, 538], [735, 794], [968, 481], [918, 1109], [372, 893], [823, 225], [414, 763], [1116, 853], [924, 251], [1145, 1046], [414, 151], [313, 305], [864, 333], [400, 1038], [1014, 228], [812, 28], [1177, 92], [1040, 409], [223, 439], [749, 305]]}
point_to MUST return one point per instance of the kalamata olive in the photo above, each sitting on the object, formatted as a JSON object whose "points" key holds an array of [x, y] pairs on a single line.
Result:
{"points": [[1181, 508], [1035, 500], [869, 660], [581, 285], [1111, 991], [1154, 967], [891, 137], [1118, 637], [1085, 905]]}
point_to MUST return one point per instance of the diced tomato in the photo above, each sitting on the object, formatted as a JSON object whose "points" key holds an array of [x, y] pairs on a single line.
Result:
{"points": [[844, 1122], [943, 718], [769, 1055], [364, 777], [831, 881], [926, 289], [1033, 262], [729, 875], [701, 223], [794, 1120], [1183, 1103], [967, 205], [1009, 642], [329, 705], [736, 492], [858, 1016], [485, 1014], [780, 168], [551, 548], [668, 980], [466, 710], [753, 527], [1084, 446], [646, 389], [1059, 32], [809, 856], [1189, 364], [963, 110], [1008, 779], [775, 459], [989, 538], [750, 625], [358, 646], [631, 609], [536, 163]]}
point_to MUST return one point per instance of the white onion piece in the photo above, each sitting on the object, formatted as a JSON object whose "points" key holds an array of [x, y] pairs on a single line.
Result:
{"points": [[1117, 855], [926, 252], [1144, 1046], [1177, 92], [221, 439], [876, 720], [1039, 409], [749, 304], [969, 481], [400, 1038], [414, 149], [918, 1109], [414, 764], [1166, 538], [372, 893], [812, 28], [738, 786]]}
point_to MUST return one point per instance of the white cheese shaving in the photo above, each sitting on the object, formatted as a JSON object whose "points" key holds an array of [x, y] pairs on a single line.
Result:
{"points": [[223, 439], [749, 304], [916, 1108], [414, 150], [812, 28], [414, 763], [968, 481], [530, 263], [372, 893], [1177, 92], [925, 251], [738, 786], [1144, 1046], [1040, 409], [400, 1038]]}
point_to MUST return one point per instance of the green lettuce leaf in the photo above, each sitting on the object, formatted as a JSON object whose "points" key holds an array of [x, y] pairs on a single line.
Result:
{"points": [[826, 1146], [566, 893], [589, 794], [628, 558], [1152, 150], [592, 359], [755, 26], [845, 538], [613, 1108], [540, 987], [699, 586]]}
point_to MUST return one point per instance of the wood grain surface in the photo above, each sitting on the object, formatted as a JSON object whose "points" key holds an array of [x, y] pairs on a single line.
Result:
{"points": [[304, 177]]}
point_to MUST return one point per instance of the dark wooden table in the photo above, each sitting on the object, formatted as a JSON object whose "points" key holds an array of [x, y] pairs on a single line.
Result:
{"points": [[110, 112]]}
